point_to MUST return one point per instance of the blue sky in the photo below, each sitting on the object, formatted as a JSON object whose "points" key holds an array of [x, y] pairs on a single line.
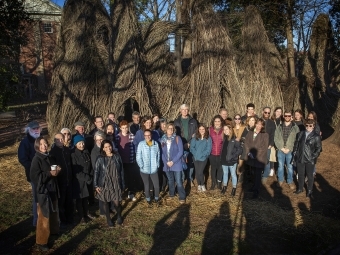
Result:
{"points": [[59, 2]]}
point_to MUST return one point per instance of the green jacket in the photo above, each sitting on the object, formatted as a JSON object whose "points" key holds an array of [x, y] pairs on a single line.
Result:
{"points": [[278, 137]]}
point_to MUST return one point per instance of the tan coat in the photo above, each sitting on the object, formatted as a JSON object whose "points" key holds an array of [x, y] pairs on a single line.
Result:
{"points": [[258, 147], [238, 132]]}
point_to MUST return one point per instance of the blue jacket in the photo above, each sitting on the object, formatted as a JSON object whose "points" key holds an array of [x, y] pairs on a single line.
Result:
{"points": [[148, 157], [176, 153], [140, 137], [200, 149], [26, 153]]}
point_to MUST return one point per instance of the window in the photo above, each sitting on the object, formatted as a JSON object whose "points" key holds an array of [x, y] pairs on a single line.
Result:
{"points": [[47, 27]]}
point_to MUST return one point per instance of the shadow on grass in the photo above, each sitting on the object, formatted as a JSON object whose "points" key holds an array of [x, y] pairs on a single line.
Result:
{"points": [[167, 237], [18, 239]]}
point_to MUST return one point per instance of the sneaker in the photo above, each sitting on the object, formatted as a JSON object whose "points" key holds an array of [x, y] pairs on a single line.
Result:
{"points": [[279, 184], [203, 189], [271, 172], [199, 188]]}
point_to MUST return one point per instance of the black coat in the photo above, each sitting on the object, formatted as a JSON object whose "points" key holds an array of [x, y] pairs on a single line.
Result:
{"points": [[307, 150], [101, 167], [192, 127], [82, 173], [270, 129], [46, 185], [63, 159], [26, 153], [230, 152]]}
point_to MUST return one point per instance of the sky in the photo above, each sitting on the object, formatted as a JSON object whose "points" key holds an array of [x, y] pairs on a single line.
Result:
{"points": [[59, 2]]}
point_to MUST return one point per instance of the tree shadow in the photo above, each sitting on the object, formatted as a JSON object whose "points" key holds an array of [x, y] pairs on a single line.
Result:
{"points": [[170, 234]]}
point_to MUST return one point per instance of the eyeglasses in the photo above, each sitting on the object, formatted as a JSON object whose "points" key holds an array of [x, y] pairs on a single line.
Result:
{"points": [[288, 116], [266, 112], [309, 125], [237, 118]]}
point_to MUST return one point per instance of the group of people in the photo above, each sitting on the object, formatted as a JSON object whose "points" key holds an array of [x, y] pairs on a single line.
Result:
{"points": [[151, 153]]}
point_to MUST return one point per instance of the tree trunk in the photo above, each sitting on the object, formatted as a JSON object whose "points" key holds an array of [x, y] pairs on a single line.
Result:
{"points": [[290, 43], [178, 43]]}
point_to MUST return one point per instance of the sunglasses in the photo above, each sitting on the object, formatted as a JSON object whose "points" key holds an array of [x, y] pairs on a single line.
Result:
{"points": [[237, 118], [266, 112], [309, 125], [288, 116]]}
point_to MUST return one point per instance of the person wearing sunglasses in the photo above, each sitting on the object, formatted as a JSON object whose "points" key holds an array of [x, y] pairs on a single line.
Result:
{"points": [[284, 138], [307, 148], [270, 129], [238, 126], [82, 177]]}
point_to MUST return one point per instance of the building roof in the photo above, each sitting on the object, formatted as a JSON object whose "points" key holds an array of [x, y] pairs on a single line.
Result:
{"points": [[41, 9]]}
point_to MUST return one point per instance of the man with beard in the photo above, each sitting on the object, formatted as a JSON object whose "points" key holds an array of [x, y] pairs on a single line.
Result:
{"points": [[26, 153]]}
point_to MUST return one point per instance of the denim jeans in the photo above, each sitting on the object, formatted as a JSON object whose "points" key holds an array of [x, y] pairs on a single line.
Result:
{"points": [[175, 176], [267, 167], [232, 170], [34, 205], [283, 159], [188, 174]]}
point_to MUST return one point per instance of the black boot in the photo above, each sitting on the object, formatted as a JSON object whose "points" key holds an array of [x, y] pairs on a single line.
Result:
{"points": [[233, 192], [310, 194], [219, 185], [224, 189], [213, 186], [119, 215], [107, 214], [298, 191]]}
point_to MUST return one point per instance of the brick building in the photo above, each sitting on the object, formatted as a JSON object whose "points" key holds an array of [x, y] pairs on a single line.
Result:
{"points": [[36, 58]]}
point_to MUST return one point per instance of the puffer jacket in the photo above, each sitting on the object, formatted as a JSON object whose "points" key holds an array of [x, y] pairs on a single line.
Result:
{"points": [[307, 150], [217, 141], [148, 157], [101, 167]]}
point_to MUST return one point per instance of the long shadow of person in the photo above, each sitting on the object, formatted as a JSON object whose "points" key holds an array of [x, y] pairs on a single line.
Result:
{"points": [[170, 234], [218, 237]]}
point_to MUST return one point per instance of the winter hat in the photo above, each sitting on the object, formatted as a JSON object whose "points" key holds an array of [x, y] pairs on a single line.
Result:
{"points": [[77, 139]]}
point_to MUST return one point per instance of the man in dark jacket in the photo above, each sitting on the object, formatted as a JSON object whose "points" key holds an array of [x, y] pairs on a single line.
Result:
{"points": [[62, 155], [134, 126], [270, 129], [250, 112], [186, 126], [26, 153]]}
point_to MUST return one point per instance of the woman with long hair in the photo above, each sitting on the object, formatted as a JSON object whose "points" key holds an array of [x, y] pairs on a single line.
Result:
{"points": [[108, 180], [299, 119], [277, 115], [256, 149], [238, 126], [200, 147], [43, 174], [243, 167], [231, 150], [216, 134]]}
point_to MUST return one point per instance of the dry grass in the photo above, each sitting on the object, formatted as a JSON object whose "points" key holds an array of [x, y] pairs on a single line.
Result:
{"points": [[207, 224]]}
